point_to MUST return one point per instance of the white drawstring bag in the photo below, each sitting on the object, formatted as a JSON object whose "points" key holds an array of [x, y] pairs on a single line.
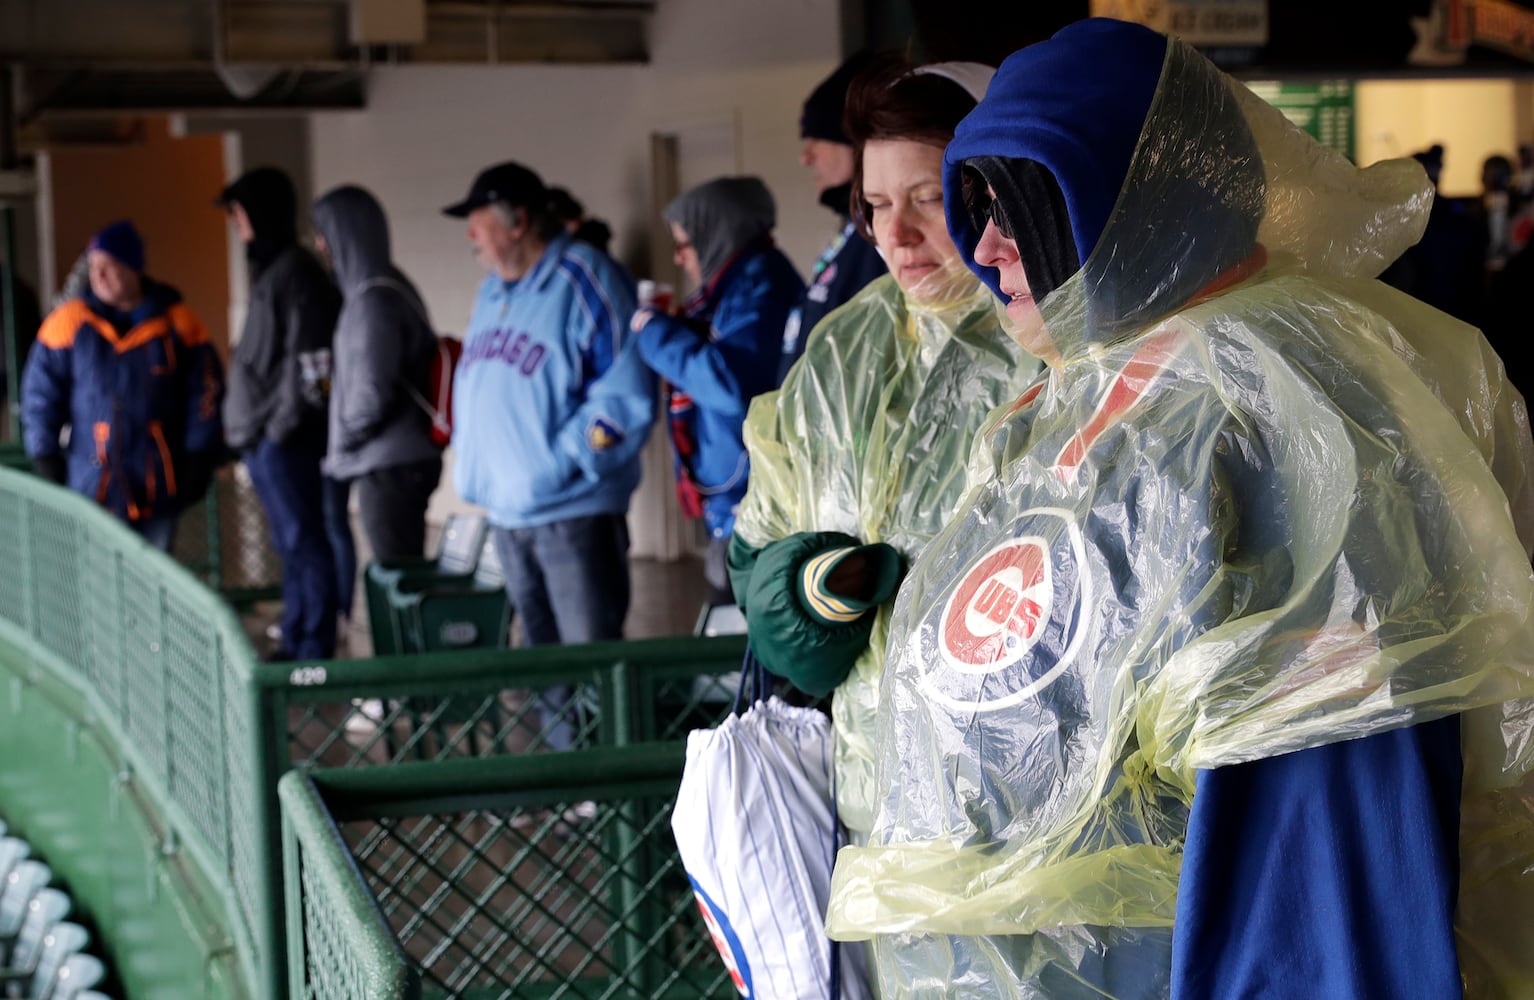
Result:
{"points": [[757, 832]]}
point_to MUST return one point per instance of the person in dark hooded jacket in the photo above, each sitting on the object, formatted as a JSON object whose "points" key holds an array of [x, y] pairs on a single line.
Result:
{"points": [[380, 435], [722, 350], [849, 262], [275, 416]]}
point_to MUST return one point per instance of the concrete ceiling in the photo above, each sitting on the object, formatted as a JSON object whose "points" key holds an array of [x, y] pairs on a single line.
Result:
{"points": [[74, 56]]}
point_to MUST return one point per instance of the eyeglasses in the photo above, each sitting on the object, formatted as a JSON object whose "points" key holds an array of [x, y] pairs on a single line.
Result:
{"points": [[981, 205]]}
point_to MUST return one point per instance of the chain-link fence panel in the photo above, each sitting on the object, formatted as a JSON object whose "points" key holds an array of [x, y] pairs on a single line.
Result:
{"points": [[223, 539], [490, 703], [546, 876]]}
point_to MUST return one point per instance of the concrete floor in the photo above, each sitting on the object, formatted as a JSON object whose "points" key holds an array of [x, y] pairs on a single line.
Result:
{"points": [[667, 599]]}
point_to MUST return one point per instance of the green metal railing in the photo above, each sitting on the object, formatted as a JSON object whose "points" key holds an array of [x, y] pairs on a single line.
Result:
{"points": [[340, 943], [549, 875], [483, 702], [109, 641], [222, 540], [121, 657], [390, 718], [156, 671]]}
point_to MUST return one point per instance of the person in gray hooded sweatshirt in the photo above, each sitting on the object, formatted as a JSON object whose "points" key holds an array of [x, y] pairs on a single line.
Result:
{"points": [[380, 435]]}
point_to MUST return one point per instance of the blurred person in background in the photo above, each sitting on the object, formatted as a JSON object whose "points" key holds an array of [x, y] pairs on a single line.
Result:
{"points": [[1446, 268], [1494, 211], [849, 261], [568, 212], [27, 316], [380, 436], [722, 348], [596, 233], [278, 406], [1523, 180], [128, 369], [551, 406]]}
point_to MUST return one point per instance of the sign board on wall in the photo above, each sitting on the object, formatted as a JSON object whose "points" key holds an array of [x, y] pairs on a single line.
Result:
{"points": [[1208, 23], [1325, 110], [1452, 26]]}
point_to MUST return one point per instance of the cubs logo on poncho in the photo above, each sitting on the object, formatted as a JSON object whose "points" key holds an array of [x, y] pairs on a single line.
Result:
{"points": [[1011, 624]]}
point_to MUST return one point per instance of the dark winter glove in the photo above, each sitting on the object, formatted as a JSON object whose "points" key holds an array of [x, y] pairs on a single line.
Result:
{"points": [[810, 595], [52, 468]]}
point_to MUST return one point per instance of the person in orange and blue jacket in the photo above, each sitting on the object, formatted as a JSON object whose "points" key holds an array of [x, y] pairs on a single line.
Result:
{"points": [[128, 368]]}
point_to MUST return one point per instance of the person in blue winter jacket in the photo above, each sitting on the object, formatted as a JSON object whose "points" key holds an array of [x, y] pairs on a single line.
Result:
{"points": [[129, 369], [722, 350], [551, 406]]}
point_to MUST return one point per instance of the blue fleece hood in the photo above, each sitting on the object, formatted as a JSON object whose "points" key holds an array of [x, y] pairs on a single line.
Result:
{"points": [[1076, 104], [1158, 168]]}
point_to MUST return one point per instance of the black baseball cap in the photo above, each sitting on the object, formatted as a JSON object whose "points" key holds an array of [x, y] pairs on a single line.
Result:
{"points": [[509, 182]]}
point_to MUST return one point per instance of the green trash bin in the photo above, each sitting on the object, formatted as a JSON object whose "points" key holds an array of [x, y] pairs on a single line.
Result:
{"points": [[435, 614], [443, 616], [463, 536]]}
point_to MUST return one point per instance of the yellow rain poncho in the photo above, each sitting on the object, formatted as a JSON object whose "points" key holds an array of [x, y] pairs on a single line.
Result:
{"points": [[1261, 504], [868, 436]]}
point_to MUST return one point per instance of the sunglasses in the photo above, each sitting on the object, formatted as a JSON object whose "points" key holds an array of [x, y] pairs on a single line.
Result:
{"points": [[981, 206]]}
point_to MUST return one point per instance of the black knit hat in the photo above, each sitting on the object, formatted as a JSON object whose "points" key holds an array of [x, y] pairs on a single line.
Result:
{"points": [[822, 114]]}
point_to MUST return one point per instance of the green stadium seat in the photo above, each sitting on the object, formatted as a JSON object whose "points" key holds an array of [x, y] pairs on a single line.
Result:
{"points": [[16, 894], [436, 614], [46, 910], [463, 537]]}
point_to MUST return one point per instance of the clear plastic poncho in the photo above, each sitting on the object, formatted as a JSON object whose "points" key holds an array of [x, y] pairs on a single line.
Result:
{"points": [[1243, 516], [868, 435]]}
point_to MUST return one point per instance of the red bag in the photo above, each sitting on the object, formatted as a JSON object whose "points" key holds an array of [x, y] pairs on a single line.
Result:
{"points": [[437, 400]]}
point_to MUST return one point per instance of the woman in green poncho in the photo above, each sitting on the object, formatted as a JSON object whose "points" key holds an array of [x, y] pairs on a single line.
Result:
{"points": [[856, 461]]}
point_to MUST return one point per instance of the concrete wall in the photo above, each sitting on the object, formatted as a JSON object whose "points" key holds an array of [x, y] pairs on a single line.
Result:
{"points": [[718, 66], [727, 78], [165, 184]]}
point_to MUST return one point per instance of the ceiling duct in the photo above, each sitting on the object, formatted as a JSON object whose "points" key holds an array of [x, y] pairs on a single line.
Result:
{"points": [[245, 81], [388, 22], [152, 55]]}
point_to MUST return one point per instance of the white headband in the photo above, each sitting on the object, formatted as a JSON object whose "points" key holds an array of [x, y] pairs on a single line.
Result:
{"points": [[972, 76]]}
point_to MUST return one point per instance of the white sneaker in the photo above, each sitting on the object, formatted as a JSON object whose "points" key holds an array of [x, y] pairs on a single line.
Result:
{"points": [[369, 715]]}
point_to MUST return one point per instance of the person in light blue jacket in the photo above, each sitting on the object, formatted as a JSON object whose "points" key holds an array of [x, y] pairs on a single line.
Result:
{"points": [[551, 406], [722, 349]]}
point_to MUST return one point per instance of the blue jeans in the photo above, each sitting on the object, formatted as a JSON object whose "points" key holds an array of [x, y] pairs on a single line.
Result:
{"points": [[288, 481], [568, 582], [343, 548], [159, 531]]}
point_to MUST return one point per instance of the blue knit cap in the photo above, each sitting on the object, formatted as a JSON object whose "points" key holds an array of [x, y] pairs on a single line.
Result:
{"points": [[123, 243]]}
